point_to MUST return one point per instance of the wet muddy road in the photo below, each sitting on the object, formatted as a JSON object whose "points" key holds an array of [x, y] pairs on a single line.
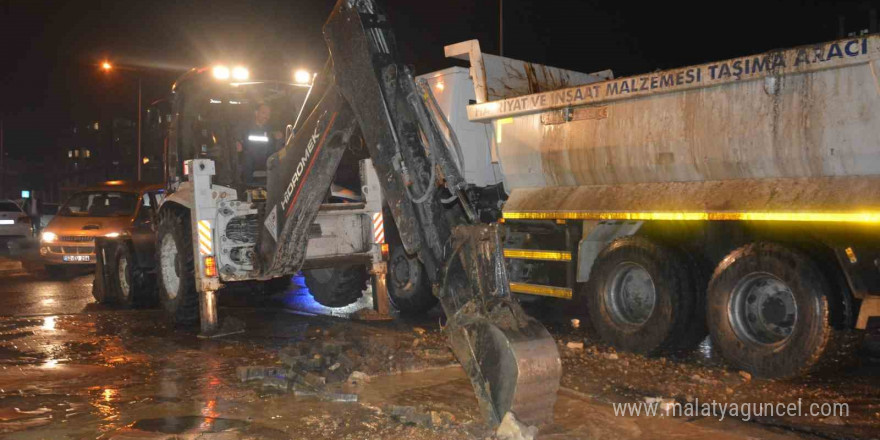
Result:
{"points": [[72, 369]]}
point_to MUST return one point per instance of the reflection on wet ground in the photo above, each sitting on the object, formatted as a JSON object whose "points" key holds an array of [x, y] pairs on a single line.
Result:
{"points": [[83, 371]]}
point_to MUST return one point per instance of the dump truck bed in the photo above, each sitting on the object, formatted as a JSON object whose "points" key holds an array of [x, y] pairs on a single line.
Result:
{"points": [[787, 131]]}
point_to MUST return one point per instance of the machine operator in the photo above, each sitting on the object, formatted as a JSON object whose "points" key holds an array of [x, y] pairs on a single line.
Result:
{"points": [[257, 143]]}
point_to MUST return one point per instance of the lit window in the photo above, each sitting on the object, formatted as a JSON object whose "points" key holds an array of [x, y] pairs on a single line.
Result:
{"points": [[75, 153], [87, 153], [96, 126], [70, 153]]}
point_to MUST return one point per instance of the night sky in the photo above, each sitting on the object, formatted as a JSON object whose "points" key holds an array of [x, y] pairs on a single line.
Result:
{"points": [[50, 50]]}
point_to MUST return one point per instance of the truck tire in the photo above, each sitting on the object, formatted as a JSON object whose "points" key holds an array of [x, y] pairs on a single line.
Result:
{"points": [[131, 285], [409, 288], [640, 296], [768, 311], [336, 286], [176, 268], [121, 278]]}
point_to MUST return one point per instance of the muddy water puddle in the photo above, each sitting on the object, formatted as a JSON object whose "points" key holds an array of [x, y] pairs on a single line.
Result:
{"points": [[130, 375]]}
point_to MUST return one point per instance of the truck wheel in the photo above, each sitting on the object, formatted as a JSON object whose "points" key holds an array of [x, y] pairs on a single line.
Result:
{"points": [[177, 288], [131, 285], [640, 296], [768, 310], [122, 279], [336, 286], [409, 288]]}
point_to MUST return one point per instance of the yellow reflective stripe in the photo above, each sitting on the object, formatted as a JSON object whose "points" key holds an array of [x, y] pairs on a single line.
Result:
{"points": [[206, 243], [541, 290], [527, 254], [838, 217]]}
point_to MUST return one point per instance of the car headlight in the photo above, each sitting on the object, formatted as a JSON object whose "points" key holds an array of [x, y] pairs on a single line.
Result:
{"points": [[112, 234], [48, 237]]}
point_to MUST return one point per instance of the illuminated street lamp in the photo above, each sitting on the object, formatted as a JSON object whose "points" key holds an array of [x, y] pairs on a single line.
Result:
{"points": [[106, 66]]}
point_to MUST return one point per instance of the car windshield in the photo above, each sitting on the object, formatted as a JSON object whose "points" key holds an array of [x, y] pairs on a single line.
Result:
{"points": [[100, 204], [49, 209], [7, 206]]}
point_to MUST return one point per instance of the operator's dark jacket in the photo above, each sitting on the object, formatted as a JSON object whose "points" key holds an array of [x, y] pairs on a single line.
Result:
{"points": [[258, 143]]}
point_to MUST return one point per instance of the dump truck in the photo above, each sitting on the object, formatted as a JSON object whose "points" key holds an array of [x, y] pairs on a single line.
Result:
{"points": [[738, 198], [221, 221]]}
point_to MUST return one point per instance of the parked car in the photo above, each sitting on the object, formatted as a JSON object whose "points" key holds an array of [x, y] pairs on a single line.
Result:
{"points": [[14, 224], [112, 209]]}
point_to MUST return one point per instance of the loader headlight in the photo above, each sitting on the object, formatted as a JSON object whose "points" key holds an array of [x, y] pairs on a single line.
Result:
{"points": [[302, 77], [221, 72], [48, 237], [240, 73]]}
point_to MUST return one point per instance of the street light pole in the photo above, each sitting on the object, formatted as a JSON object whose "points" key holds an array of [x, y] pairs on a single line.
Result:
{"points": [[2, 162], [501, 28], [107, 67], [139, 131]]}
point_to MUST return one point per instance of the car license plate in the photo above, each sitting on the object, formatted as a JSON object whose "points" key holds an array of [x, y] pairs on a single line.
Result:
{"points": [[76, 258]]}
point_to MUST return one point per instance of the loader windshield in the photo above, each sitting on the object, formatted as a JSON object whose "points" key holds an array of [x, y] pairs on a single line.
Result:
{"points": [[238, 125]]}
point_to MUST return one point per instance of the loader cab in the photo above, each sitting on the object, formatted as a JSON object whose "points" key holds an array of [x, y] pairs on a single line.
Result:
{"points": [[210, 116], [157, 120]]}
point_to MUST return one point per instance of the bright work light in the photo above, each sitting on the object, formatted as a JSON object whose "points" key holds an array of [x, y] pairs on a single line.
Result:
{"points": [[302, 77], [240, 73], [221, 72]]}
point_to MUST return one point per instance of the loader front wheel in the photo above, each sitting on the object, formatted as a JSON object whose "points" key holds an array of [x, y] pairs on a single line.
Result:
{"points": [[336, 286], [177, 289]]}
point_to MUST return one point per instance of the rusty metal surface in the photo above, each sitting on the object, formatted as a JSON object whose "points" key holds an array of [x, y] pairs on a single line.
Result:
{"points": [[821, 194], [807, 123], [773, 64], [496, 77]]}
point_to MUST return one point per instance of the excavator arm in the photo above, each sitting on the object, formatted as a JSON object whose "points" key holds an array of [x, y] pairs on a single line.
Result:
{"points": [[509, 357]]}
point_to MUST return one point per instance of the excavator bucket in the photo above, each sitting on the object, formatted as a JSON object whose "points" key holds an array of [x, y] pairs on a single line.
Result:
{"points": [[510, 357]]}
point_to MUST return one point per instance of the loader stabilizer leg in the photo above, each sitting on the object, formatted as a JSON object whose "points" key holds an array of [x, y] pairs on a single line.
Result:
{"points": [[208, 322], [510, 358]]}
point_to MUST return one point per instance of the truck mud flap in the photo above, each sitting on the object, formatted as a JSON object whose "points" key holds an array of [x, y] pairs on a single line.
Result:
{"points": [[104, 268], [510, 358]]}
